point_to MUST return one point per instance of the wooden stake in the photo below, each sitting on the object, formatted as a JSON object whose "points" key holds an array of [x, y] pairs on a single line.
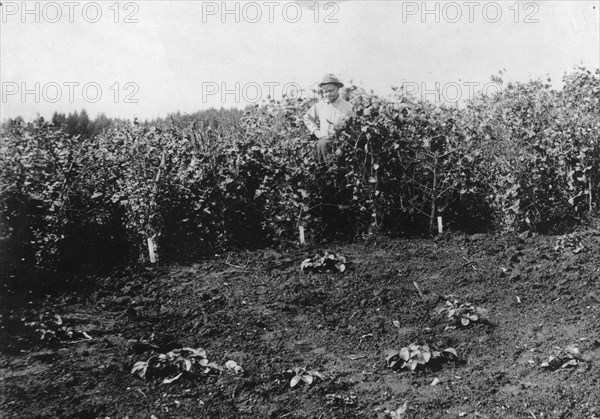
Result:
{"points": [[301, 231], [440, 226], [151, 250]]}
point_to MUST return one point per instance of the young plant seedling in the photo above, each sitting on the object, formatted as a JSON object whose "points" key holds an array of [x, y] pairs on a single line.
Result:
{"points": [[569, 241], [462, 314], [301, 375], [398, 413], [233, 366], [175, 364], [52, 328], [327, 262], [416, 356], [563, 358]]}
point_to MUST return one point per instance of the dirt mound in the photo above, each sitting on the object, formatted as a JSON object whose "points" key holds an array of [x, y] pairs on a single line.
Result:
{"points": [[540, 294]]}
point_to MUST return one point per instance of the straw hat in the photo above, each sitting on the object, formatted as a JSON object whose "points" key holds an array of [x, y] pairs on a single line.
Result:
{"points": [[331, 79]]}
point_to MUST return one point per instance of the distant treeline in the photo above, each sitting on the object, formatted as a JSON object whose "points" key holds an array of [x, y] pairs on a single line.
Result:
{"points": [[80, 124]]}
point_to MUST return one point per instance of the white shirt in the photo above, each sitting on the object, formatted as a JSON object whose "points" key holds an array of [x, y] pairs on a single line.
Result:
{"points": [[324, 116]]}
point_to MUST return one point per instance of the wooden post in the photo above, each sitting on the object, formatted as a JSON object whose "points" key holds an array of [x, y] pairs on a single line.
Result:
{"points": [[440, 225], [301, 232], [151, 250]]}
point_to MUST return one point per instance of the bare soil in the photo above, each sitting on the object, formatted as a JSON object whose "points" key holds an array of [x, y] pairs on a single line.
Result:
{"points": [[542, 294]]}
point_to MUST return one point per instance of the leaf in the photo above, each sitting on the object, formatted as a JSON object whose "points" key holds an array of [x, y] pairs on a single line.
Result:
{"points": [[482, 313], [402, 409], [232, 365], [464, 321], [140, 368], [340, 267], [473, 317], [396, 323], [404, 354], [571, 363], [435, 381], [170, 380], [214, 366], [195, 352], [421, 358], [389, 355], [450, 351], [317, 374], [295, 380], [308, 379], [305, 263], [573, 350]]}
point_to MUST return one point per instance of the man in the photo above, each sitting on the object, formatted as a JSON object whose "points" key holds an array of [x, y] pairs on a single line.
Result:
{"points": [[325, 116]]}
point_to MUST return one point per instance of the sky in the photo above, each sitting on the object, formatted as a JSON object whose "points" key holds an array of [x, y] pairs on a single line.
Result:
{"points": [[147, 59]]}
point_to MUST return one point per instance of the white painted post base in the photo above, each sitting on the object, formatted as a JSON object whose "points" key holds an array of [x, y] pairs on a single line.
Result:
{"points": [[151, 250]]}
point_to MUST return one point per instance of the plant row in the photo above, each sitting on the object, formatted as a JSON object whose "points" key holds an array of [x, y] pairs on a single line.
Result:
{"points": [[527, 157]]}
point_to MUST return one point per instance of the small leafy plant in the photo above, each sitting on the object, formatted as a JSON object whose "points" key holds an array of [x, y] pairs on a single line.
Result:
{"points": [[53, 328], [234, 366], [462, 313], [323, 263], [175, 364], [416, 356], [569, 241], [300, 375], [398, 413], [563, 358]]}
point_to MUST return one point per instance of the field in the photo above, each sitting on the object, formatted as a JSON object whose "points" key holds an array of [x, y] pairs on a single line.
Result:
{"points": [[497, 317], [541, 294]]}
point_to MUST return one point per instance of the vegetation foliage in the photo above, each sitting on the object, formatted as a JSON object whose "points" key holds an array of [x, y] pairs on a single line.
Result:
{"points": [[175, 364], [527, 157], [416, 356]]}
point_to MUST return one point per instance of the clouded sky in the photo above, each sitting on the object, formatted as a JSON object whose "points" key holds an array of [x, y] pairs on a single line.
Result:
{"points": [[151, 58]]}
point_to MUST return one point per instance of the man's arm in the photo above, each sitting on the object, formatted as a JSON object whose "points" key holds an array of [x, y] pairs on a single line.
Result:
{"points": [[347, 112], [311, 120]]}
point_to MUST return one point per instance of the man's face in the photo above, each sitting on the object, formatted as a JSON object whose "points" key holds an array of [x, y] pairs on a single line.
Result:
{"points": [[330, 92]]}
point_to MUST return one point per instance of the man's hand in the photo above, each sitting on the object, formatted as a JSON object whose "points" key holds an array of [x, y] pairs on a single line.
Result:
{"points": [[320, 135], [341, 123]]}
